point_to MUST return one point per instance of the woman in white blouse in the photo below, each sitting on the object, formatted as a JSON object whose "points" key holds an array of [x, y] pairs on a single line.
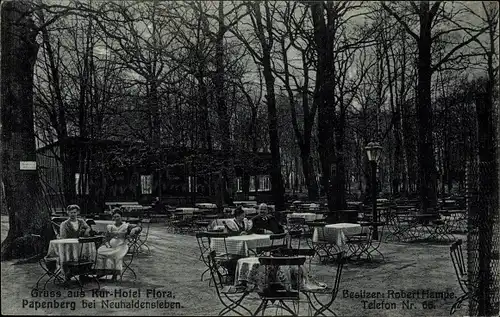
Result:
{"points": [[240, 224], [110, 255]]}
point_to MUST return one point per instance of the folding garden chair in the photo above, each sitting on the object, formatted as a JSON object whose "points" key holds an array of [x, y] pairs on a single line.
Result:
{"points": [[224, 257], [439, 229], [406, 226], [323, 247], [84, 266], [56, 228], [460, 267], [296, 223], [133, 249], [50, 270], [49, 267], [358, 243], [314, 296], [295, 238], [142, 239], [203, 240], [230, 296], [279, 240], [278, 292], [374, 245], [308, 253], [181, 223]]}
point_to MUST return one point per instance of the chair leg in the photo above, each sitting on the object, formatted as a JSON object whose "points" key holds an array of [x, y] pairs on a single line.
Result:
{"points": [[265, 307], [41, 277], [458, 303], [322, 308], [232, 307], [287, 308], [128, 268], [203, 274], [57, 277], [262, 304]]}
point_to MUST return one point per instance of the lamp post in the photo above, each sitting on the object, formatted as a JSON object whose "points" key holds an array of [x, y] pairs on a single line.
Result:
{"points": [[373, 151]]}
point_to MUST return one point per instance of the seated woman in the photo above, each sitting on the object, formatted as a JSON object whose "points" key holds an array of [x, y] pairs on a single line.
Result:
{"points": [[73, 227], [240, 224], [110, 255]]}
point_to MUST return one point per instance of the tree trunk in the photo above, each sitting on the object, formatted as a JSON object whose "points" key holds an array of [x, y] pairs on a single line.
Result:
{"points": [[325, 80], [276, 179], [308, 171], [266, 44], [401, 108], [27, 216], [426, 161], [487, 202], [339, 180], [227, 169]]}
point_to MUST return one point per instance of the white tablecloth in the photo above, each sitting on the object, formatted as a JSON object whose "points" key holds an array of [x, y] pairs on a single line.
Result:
{"points": [[69, 249], [101, 225], [307, 206], [308, 216], [250, 271], [206, 205], [313, 206], [335, 233], [245, 202], [186, 212], [249, 210], [219, 223], [133, 207], [241, 244]]}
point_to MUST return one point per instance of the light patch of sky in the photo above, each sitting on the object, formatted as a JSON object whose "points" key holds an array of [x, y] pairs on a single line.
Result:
{"points": [[245, 27], [293, 55]]}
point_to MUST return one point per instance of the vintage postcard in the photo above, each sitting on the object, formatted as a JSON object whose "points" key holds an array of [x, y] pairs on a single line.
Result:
{"points": [[303, 158]]}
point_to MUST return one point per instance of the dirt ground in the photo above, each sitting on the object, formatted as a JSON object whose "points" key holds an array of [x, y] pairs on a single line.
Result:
{"points": [[173, 267]]}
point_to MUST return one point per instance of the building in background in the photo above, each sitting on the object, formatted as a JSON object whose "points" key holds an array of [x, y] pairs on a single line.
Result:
{"points": [[93, 172]]}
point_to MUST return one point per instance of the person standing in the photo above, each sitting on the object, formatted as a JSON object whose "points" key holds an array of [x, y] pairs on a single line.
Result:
{"points": [[158, 206]]}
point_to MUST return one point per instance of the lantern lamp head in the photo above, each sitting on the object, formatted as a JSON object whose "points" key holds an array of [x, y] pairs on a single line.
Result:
{"points": [[373, 151]]}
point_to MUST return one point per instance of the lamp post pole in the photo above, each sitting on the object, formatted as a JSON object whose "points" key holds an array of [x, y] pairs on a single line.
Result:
{"points": [[374, 198], [373, 150]]}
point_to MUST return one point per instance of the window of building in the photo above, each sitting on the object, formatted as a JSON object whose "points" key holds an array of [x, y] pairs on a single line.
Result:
{"points": [[239, 184], [81, 182], [252, 184], [146, 184], [264, 183], [192, 184]]}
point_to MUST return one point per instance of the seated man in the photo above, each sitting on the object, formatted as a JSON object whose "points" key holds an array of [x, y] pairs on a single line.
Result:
{"points": [[265, 223], [73, 227]]}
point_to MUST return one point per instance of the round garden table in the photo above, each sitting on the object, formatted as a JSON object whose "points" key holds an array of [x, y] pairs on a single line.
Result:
{"points": [[66, 250]]}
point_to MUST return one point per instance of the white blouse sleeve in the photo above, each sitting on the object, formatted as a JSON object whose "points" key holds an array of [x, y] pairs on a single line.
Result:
{"points": [[248, 224]]}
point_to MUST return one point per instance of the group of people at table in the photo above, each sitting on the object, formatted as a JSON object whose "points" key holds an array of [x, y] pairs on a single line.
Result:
{"points": [[239, 253], [112, 251], [114, 247], [263, 222]]}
